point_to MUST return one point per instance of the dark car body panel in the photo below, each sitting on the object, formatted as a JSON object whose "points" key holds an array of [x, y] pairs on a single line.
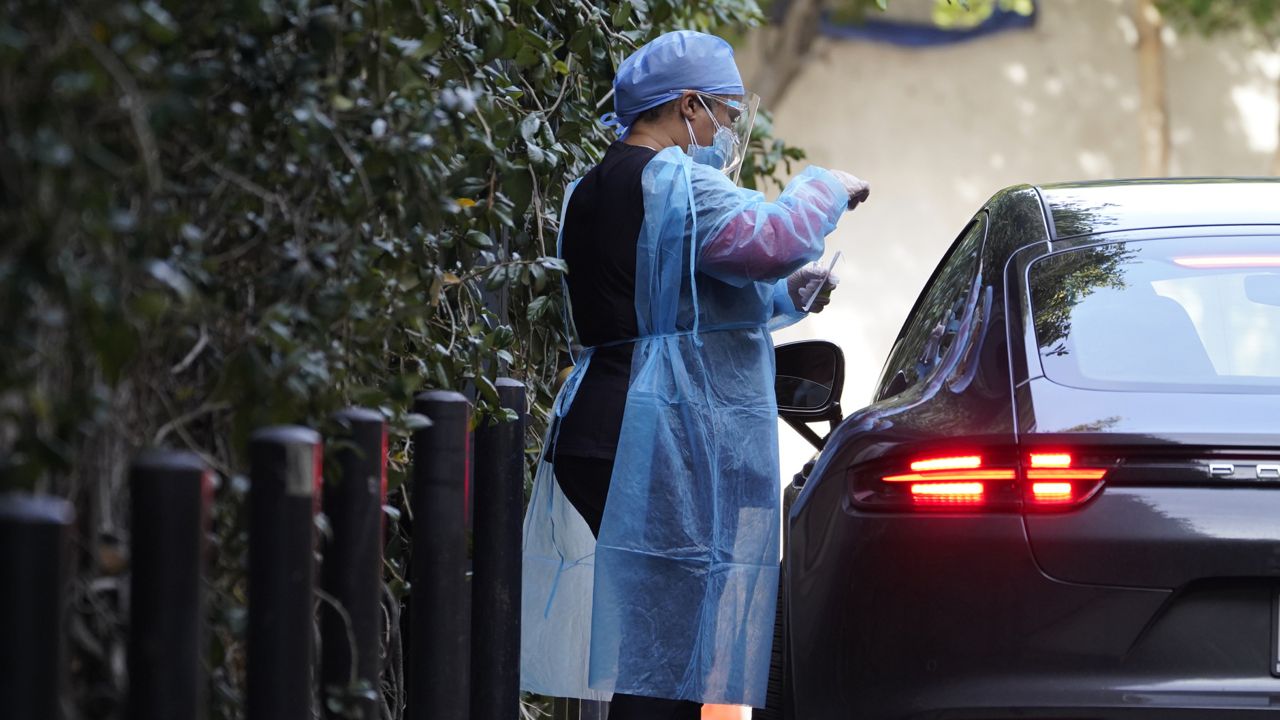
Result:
{"points": [[1141, 603], [1161, 537]]}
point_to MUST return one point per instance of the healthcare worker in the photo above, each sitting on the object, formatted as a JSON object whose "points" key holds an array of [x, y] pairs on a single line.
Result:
{"points": [[651, 538]]}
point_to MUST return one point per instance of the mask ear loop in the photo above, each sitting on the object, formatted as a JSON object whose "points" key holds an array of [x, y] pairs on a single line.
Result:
{"points": [[714, 121]]}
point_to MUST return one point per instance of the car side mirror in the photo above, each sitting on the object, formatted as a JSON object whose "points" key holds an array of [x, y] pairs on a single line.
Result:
{"points": [[808, 382]]}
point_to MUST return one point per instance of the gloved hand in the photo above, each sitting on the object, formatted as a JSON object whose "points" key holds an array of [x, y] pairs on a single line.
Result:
{"points": [[859, 190], [803, 283]]}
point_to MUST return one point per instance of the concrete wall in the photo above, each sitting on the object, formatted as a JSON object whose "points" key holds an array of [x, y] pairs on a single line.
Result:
{"points": [[938, 131]]}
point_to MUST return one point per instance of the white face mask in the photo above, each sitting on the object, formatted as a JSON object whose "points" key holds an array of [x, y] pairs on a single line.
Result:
{"points": [[724, 143]]}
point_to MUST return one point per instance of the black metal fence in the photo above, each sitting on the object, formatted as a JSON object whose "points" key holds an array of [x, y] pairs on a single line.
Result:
{"points": [[464, 633]]}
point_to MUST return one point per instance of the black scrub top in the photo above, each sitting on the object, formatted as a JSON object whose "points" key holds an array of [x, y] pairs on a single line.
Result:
{"points": [[601, 231]]}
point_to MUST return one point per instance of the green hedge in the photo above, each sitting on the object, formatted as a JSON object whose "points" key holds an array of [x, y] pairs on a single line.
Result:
{"points": [[222, 215]]}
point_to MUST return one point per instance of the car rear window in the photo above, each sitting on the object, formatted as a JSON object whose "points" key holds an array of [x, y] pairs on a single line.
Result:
{"points": [[1179, 315]]}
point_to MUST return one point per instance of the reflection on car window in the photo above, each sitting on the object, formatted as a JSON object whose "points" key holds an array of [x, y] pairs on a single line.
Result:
{"points": [[1060, 282], [935, 325], [1186, 314]]}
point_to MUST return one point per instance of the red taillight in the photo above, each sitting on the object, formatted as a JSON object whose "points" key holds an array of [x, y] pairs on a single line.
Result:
{"points": [[951, 476], [950, 480], [1053, 482], [957, 462], [947, 492], [1067, 474], [1051, 460], [1051, 491], [990, 480]]}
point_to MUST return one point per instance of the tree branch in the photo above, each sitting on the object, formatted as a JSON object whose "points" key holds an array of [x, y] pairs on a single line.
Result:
{"points": [[782, 49], [136, 104]]}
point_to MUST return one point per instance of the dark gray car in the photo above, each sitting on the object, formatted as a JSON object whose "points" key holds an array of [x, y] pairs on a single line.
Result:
{"points": [[1064, 501]]}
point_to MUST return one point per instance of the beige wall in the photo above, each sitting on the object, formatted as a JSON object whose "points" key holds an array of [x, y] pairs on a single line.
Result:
{"points": [[937, 131]]}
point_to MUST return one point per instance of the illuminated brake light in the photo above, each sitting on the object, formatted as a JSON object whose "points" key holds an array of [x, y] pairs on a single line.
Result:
{"points": [[1052, 491], [1229, 261], [966, 479], [1054, 482], [951, 480], [963, 462], [956, 492], [1067, 474], [1050, 460], [983, 478], [952, 476]]}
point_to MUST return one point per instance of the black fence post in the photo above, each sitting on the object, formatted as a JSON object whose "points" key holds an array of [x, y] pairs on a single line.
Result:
{"points": [[499, 506], [284, 472], [352, 572], [439, 599], [34, 547], [170, 493]]}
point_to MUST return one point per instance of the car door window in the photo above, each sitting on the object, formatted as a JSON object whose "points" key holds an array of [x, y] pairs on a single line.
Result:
{"points": [[935, 323]]}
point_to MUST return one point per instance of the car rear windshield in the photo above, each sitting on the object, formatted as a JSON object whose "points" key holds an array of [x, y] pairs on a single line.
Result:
{"points": [[1179, 315]]}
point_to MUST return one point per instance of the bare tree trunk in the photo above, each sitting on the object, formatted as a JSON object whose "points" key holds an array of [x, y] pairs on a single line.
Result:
{"points": [[1153, 113], [780, 49]]}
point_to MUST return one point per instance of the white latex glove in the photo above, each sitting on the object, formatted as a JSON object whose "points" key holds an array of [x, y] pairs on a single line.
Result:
{"points": [[859, 190], [803, 283]]}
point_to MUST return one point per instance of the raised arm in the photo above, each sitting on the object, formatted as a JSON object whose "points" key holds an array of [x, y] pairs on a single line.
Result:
{"points": [[743, 238]]}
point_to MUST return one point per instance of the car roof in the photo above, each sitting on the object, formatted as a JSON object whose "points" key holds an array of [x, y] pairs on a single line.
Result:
{"points": [[1085, 208]]}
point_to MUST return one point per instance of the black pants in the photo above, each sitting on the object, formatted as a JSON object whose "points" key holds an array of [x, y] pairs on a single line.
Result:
{"points": [[585, 482]]}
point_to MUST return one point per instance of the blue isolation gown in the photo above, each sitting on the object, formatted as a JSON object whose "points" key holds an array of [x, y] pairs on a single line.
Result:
{"points": [[677, 597]]}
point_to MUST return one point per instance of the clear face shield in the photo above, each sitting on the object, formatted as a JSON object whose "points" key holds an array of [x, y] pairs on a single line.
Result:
{"points": [[731, 139]]}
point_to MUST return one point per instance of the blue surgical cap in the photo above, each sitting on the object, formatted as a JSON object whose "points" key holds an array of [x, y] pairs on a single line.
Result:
{"points": [[668, 64]]}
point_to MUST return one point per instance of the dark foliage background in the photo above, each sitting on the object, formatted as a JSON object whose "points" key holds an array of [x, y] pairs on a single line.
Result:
{"points": [[217, 216]]}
